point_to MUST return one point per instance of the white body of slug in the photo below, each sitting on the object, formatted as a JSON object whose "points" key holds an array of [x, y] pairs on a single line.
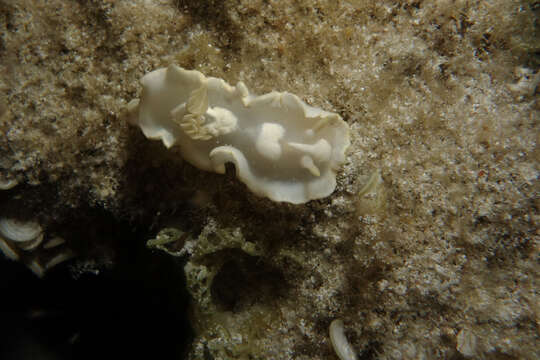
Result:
{"points": [[281, 147]]}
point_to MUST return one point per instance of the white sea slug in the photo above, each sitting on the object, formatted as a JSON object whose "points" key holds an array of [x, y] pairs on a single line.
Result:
{"points": [[339, 341], [281, 147]]}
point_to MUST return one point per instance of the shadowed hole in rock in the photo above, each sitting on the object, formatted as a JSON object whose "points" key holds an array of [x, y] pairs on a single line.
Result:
{"points": [[127, 309], [246, 280]]}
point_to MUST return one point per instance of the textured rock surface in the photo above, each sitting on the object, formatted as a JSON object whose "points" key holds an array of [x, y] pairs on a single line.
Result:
{"points": [[439, 261]]}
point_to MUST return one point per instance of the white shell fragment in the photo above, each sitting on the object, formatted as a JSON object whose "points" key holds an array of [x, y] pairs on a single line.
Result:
{"points": [[7, 181], [8, 250], [59, 258], [340, 343], [6, 184], [466, 343], [527, 84], [37, 268], [372, 183], [54, 242], [21, 240], [282, 148], [27, 234]]}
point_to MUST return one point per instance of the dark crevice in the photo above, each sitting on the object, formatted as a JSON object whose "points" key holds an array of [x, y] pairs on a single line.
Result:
{"points": [[136, 307], [245, 280]]}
